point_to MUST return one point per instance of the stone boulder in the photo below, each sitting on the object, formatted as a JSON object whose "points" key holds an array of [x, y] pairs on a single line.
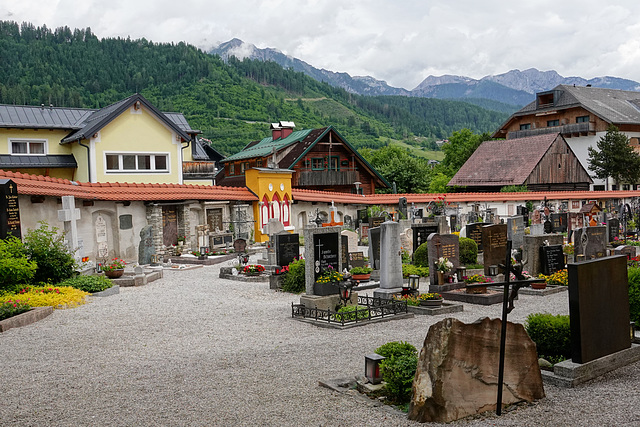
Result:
{"points": [[457, 372]]}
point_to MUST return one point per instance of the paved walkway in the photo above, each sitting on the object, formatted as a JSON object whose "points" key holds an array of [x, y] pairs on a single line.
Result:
{"points": [[192, 349]]}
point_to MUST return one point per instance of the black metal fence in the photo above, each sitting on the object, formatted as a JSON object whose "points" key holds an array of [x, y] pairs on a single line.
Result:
{"points": [[368, 308]]}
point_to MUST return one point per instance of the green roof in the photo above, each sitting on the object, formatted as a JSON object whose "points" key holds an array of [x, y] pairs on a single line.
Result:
{"points": [[266, 146]]}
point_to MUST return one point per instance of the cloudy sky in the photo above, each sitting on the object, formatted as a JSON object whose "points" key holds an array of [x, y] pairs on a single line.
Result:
{"points": [[401, 41]]}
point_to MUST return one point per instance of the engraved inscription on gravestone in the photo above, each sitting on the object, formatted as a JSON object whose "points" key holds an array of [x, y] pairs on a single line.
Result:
{"points": [[325, 250], [126, 222], [474, 232], [552, 259], [9, 209], [214, 219], [356, 259], [421, 233], [287, 248], [494, 242]]}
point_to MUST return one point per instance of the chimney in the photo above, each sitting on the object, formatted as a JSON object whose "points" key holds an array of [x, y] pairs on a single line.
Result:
{"points": [[276, 132], [287, 128]]}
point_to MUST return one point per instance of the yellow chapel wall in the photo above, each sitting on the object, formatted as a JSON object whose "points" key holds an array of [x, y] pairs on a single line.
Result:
{"points": [[268, 182]]}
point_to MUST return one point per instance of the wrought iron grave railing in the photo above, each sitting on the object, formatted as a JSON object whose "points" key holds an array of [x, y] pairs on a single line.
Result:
{"points": [[368, 308]]}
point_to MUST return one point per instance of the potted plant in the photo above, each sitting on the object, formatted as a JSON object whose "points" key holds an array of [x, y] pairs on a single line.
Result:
{"points": [[360, 273], [327, 283], [431, 300], [114, 268], [443, 266], [253, 269], [474, 279], [181, 240]]}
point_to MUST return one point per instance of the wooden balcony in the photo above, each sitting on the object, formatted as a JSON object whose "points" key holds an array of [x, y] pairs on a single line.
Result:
{"points": [[575, 129], [325, 177], [192, 170]]}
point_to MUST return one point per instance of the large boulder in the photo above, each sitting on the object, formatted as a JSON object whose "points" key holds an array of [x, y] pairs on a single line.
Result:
{"points": [[457, 372]]}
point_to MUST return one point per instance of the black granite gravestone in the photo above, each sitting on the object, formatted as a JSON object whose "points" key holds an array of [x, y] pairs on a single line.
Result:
{"points": [[613, 225], [421, 233], [287, 248], [9, 210], [375, 221], [599, 308], [559, 222], [326, 252], [548, 227], [494, 244], [402, 207], [362, 216], [374, 244], [356, 259], [344, 241], [474, 232], [552, 259], [240, 245]]}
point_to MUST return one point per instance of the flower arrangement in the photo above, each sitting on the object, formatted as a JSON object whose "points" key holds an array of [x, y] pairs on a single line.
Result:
{"points": [[431, 296], [409, 299], [114, 264], [253, 269], [330, 275], [182, 239], [558, 278], [443, 265], [12, 308], [360, 270], [476, 278], [568, 249]]}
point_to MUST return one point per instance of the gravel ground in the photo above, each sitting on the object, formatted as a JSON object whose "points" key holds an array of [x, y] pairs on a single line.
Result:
{"points": [[193, 349]]}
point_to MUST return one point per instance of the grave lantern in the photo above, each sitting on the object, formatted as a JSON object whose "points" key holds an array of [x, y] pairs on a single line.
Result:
{"points": [[414, 282], [461, 273], [493, 270], [155, 259], [372, 368], [204, 249]]}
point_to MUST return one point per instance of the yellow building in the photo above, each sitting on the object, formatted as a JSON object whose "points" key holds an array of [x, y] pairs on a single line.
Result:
{"points": [[273, 188], [129, 141]]}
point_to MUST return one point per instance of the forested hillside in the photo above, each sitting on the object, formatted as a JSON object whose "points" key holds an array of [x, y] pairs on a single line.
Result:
{"points": [[231, 103]]}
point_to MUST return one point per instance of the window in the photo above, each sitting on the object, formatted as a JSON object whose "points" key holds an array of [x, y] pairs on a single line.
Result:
{"points": [[132, 162], [598, 188], [317, 164], [232, 169], [334, 163], [22, 146], [582, 119], [551, 123], [525, 126], [242, 167]]}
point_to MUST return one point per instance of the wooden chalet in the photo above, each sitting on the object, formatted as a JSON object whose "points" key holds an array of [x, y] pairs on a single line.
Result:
{"points": [[542, 163], [321, 159]]}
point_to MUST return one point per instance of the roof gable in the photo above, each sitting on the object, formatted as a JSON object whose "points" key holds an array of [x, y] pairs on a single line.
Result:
{"points": [[267, 145]]}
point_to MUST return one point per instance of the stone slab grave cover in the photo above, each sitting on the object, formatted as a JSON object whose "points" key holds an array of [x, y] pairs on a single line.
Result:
{"points": [[599, 308], [515, 231], [287, 248], [494, 243], [531, 255], [443, 245], [421, 233], [457, 373], [322, 248], [552, 258], [9, 209], [590, 242], [559, 222], [390, 260], [474, 232], [374, 247]]}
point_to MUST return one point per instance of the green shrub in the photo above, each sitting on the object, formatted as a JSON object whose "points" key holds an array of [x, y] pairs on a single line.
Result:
{"points": [[294, 280], [468, 251], [348, 313], [398, 372], [15, 267], [552, 335], [46, 247], [89, 284], [634, 294], [408, 269], [421, 256], [396, 348]]}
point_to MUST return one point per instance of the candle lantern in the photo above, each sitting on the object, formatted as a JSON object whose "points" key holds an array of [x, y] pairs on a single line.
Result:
{"points": [[461, 273], [414, 282], [372, 368], [493, 270], [155, 259]]}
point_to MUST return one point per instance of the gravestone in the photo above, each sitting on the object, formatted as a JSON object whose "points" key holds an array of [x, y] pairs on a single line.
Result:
{"points": [[344, 250], [402, 207], [591, 242], [146, 247], [322, 249], [240, 245], [214, 219], [69, 214], [547, 227], [494, 243], [374, 247], [356, 259], [375, 221], [100, 226], [552, 259], [287, 248], [364, 231], [474, 232], [443, 245], [536, 217], [626, 250], [421, 233], [348, 221], [453, 222], [273, 227], [531, 257], [406, 240], [353, 239], [559, 222], [537, 229], [390, 260], [515, 231], [599, 308], [613, 226], [126, 222], [362, 217], [9, 210]]}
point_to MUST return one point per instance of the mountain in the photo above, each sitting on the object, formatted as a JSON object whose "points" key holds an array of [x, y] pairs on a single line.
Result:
{"points": [[503, 92]]}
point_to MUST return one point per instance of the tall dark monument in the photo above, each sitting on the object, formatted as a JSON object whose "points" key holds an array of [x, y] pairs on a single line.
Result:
{"points": [[9, 209]]}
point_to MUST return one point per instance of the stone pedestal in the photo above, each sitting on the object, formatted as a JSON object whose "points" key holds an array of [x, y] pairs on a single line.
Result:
{"points": [[328, 302]]}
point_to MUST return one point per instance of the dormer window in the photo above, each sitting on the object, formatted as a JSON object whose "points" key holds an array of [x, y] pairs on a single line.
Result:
{"points": [[23, 146]]}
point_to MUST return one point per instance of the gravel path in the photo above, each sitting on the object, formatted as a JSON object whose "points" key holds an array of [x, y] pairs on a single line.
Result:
{"points": [[192, 349]]}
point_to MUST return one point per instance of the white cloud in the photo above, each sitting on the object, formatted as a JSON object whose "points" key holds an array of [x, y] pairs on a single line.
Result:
{"points": [[400, 42]]}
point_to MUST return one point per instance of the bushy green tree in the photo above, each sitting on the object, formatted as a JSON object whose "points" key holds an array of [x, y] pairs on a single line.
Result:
{"points": [[46, 247], [395, 164], [15, 267], [615, 158], [460, 147]]}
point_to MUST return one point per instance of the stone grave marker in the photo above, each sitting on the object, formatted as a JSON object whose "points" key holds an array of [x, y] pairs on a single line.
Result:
{"points": [[591, 242], [626, 250], [9, 209], [374, 247], [443, 245], [348, 221], [364, 231], [287, 248], [453, 222], [322, 249], [547, 227], [537, 229], [494, 244], [353, 239], [559, 222], [362, 216], [344, 250], [69, 214], [613, 226], [531, 254], [536, 218], [421, 233], [356, 259], [402, 208], [146, 247], [375, 221], [240, 245], [515, 231], [406, 240], [474, 232], [599, 308], [390, 260], [552, 259], [100, 226]]}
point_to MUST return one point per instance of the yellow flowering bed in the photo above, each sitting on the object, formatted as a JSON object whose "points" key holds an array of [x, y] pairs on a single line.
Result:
{"points": [[558, 278], [54, 296]]}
